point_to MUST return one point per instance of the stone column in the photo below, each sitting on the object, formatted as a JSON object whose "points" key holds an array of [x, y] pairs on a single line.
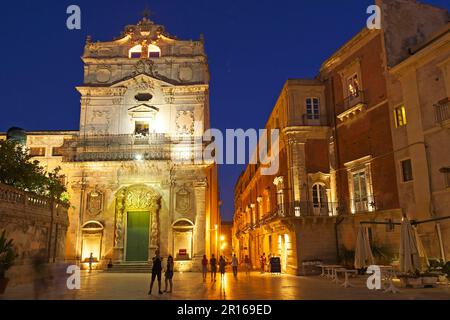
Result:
{"points": [[200, 223]]}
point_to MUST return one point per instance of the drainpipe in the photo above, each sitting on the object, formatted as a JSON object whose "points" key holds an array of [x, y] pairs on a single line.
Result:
{"points": [[336, 225]]}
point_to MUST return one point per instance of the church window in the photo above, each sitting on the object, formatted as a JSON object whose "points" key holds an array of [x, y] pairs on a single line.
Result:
{"points": [[150, 51], [141, 128]]}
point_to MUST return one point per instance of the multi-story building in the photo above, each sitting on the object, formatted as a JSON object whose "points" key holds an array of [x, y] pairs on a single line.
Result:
{"points": [[132, 185], [280, 215], [358, 163], [420, 119]]}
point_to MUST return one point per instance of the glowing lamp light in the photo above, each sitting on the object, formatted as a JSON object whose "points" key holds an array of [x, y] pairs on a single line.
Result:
{"points": [[138, 157], [222, 238]]}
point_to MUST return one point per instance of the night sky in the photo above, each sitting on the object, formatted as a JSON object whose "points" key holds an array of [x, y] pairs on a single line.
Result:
{"points": [[252, 46]]}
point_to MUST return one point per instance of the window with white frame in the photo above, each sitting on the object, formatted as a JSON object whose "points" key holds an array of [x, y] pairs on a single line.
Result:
{"points": [[278, 182], [319, 195], [313, 108]]}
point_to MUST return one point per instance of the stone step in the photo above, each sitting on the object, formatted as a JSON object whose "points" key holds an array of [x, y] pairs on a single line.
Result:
{"points": [[128, 267]]}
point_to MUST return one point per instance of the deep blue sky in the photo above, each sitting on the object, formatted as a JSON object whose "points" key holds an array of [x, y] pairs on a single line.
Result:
{"points": [[253, 47]]}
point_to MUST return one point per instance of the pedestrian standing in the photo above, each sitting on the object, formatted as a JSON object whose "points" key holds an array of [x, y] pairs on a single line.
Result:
{"points": [[263, 262], [204, 267], [213, 264], [247, 265], [156, 271], [91, 261], [222, 264], [169, 274], [234, 265]]}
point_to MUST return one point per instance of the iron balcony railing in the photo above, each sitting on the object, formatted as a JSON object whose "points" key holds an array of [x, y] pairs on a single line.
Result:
{"points": [[131, 147], [442, 110], [364, 204], [359, 97]]}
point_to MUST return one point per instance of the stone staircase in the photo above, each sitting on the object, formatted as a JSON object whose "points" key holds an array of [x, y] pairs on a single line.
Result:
{"points": [[130, 267]]}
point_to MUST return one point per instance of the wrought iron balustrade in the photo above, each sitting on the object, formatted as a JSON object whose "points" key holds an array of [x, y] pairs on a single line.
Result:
{"points": [[442, 110]]}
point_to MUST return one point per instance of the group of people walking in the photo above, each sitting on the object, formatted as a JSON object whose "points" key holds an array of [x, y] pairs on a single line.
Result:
{"points": [[213, 263]]}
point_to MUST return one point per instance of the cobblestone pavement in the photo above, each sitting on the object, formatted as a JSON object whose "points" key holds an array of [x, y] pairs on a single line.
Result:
{"points": [[190, 286]]}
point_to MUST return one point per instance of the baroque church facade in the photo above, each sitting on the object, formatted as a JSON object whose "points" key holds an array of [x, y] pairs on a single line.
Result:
{"points": [[132, 185]]}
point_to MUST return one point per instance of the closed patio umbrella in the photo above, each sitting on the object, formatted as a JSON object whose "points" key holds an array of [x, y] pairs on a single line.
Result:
{"points": [[363, 252], [409, 252], [421, 250]]}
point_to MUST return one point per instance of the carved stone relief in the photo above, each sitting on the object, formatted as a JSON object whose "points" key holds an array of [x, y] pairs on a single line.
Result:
{"points": [[185, 122], [94, 203], [183, 200]]}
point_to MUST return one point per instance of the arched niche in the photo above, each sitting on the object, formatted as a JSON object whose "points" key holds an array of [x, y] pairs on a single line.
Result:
{"points": [[92, 236], [183, 239]]}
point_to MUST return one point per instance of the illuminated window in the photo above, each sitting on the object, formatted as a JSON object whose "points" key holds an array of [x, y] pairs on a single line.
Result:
{"points": [[141, 128], [360, 194], [312, 108], [400, 116], [150, 51], [353, 85], [319, 196], [407, 170], [37, 152]]}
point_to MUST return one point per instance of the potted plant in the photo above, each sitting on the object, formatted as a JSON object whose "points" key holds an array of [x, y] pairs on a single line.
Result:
{"points": [[7, 258], [411, 280]]}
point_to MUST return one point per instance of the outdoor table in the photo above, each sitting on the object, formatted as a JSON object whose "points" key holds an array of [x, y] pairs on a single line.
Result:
{"points": [[388, 273], [346, 283], [333, 274], [323, 266]]}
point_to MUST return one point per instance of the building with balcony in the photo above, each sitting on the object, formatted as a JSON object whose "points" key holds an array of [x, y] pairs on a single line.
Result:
{"points": [[376, 156], [420, 120], [133, 184], [290, 214]]}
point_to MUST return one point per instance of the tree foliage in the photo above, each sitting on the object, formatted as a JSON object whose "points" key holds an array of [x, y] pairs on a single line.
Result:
{"points": [[18, 169]]}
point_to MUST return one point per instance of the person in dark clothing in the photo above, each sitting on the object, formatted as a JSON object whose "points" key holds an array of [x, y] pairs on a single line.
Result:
{"points": [[169, 274], [213, 264], [156, 271], [222, 264]]}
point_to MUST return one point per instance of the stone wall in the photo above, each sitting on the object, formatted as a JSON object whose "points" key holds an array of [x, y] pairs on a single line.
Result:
{"points": [[27, 218]]}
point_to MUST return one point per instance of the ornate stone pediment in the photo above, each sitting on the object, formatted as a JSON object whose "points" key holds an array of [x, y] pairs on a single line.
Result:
{"points": [[143, 111]]}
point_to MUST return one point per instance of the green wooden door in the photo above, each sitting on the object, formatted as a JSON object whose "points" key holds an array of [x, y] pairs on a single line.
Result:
{"points": [[137, 235]]}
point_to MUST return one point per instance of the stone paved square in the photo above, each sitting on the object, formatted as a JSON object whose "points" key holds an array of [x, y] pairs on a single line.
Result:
{"points": [[256, 286]]}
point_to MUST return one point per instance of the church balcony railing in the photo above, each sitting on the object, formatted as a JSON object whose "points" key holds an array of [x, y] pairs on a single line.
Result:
{"points": [[131, 147]]}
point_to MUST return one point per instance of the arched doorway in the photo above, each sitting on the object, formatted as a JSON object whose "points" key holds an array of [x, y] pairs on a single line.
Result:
{"points": [[137, 223]]}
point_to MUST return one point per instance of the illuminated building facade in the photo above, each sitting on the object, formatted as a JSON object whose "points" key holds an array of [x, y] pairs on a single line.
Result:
{"points": [[366, 145], [132, 185]]}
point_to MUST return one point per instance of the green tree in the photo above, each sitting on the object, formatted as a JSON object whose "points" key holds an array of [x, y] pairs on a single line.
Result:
{"points": [[18, 169]]}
